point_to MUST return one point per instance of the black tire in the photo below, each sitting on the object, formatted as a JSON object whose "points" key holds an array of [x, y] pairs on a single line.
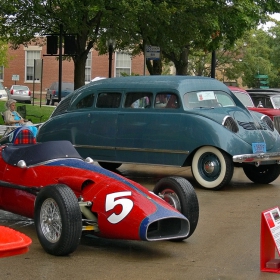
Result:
{"points": [[109, 165], [52, 101], [47, 102], [263, 174], [180, 194], [212, 168], [58, 220]]}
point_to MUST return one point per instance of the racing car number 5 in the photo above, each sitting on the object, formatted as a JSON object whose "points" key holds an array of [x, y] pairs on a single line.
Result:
{"points": [[112, 202]]}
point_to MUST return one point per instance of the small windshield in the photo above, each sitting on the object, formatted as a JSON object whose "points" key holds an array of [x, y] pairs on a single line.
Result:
{"points": [[1, 86], [276, 101], [207, 99]]}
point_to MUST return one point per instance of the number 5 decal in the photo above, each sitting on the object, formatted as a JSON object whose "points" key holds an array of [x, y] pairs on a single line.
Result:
{"points": [[112, 201]]}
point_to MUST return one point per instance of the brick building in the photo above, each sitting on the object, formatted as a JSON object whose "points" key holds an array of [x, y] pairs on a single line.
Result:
{"points": [[21, 66]]}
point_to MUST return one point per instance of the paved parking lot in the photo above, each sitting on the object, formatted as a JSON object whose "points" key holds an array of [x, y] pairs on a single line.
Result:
{"points": [[225, 245]]}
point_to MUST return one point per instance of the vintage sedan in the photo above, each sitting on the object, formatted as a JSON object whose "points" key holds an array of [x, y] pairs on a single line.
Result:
{"points": [[67, 195], [168, 120]]}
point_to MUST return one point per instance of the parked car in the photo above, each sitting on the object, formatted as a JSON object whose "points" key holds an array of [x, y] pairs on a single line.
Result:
{"points": [[267, 98], [20, 93], [52, 92], [66, 195], [3, 93], [177, 120], [246, 99]]}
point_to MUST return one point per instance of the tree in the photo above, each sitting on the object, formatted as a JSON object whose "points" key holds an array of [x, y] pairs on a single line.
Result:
{"points": [[23, 20], [3, 53], [179, 28]]}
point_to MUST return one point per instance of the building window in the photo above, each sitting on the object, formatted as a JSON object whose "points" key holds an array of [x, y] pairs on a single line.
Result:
{"points": [[123, 64], [88, 68], [29, 63], [1, 73]]}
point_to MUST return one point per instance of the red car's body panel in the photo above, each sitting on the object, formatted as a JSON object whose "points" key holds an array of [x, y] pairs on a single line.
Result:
{"points": [[124, 208]]}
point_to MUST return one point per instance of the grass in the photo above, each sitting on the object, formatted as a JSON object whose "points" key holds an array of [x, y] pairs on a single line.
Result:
{"points": [[31, 110]]}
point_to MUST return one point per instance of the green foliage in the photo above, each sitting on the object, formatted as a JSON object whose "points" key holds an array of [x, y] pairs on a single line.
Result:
{"points": [[180, 28], [3, 53]]}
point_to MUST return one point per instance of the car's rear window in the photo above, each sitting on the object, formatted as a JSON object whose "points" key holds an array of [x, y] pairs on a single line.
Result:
{"points": [[207, 99], [69, 86], [20, 88]]}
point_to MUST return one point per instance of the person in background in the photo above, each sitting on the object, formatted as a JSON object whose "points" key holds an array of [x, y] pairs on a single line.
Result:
{"points": [[11, 116]]}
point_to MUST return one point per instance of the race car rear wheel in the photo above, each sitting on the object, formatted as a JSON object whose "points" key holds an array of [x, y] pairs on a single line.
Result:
{"points": [[58, 220], [180, 194], [212, 168], [263, 174]]}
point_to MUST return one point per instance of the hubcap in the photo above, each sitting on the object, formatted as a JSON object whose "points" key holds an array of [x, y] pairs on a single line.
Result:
{"points": [[50, 220], [171, 197], [210, 167]]}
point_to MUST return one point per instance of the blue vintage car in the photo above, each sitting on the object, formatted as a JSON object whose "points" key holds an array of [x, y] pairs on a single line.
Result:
{"points": [[168, 120]]}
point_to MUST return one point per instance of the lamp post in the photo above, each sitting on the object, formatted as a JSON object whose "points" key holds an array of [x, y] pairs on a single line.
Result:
{"points": [[110, 43]]}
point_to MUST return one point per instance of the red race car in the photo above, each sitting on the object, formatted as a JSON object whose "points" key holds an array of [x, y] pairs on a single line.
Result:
{"points": [[66, 195]]}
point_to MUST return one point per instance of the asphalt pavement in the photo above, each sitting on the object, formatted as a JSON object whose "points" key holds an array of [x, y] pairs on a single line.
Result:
{"points": [[225, 245]]}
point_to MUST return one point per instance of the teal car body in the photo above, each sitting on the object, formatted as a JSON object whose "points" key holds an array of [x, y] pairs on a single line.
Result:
{"points": [[168, 120]]}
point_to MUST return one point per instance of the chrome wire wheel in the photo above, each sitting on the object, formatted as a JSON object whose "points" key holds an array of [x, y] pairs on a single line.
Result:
{"points": [[50, 220]]}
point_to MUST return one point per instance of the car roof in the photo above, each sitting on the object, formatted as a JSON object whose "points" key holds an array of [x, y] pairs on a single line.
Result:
{"points": [[260, 91], [184, 83]]}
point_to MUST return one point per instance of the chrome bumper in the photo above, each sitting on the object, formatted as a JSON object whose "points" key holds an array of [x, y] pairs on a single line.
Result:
{"points": [[257, 157]]}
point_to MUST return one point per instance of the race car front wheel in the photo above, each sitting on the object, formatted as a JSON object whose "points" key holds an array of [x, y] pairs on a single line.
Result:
{"points": [[58, 220], [212, 168], [180, 194], [263, 174]]}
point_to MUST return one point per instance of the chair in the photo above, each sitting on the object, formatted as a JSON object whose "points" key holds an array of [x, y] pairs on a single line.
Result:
{"points": [[22, 111], [6, 129]]}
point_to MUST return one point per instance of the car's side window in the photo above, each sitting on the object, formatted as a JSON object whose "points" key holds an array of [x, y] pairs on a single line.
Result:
{"points": [[166, 100], [138, 100], [108, 100], [86, 102]]}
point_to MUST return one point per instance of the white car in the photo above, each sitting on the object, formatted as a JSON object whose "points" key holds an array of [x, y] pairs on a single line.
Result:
{"points": [[20, 93], [3, 93]]}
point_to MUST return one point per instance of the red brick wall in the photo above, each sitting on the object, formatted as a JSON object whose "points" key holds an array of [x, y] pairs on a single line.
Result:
{"points": [[100, 68]]}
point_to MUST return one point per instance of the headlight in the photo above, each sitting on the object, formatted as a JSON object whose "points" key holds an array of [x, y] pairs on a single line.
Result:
{"points": [[267, 120], [230, 124]]}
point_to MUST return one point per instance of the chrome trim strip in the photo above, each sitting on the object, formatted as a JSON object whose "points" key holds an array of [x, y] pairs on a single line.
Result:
{"points": [[256, 157], [132, 149], [50, 161]]}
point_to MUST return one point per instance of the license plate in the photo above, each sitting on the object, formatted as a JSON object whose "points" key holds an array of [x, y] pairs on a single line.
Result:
{"points": [[259, 148]]}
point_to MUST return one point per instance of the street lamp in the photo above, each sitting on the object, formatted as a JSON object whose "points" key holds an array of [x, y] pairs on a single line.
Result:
{"points": [[110, 43]]}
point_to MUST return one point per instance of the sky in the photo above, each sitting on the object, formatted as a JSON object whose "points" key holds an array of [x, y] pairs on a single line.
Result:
{"points": [[269, 24]]}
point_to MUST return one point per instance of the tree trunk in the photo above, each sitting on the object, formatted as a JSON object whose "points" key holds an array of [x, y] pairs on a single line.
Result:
{"points": [[79, 71], [154, 68], [182, 64]]}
